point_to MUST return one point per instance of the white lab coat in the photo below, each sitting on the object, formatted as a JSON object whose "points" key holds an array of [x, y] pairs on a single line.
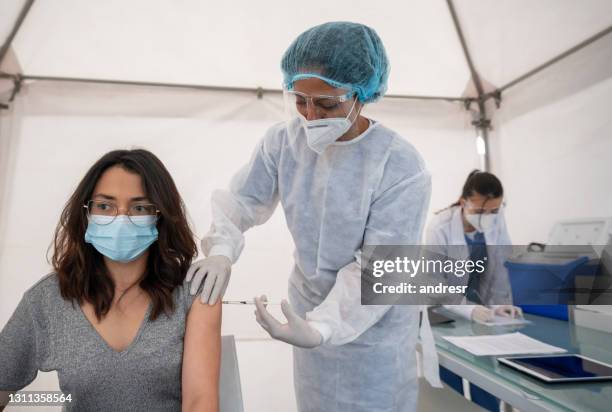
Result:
{"points": [[446, 228]]}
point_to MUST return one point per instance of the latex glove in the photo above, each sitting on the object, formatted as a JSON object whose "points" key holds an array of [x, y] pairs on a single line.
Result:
{"points": [[296, 331], [508, 310], [215, 271], [482, 314]]}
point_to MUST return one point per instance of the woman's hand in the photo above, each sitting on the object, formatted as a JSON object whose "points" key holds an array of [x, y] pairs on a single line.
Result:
{"points": [[482, 314], [214, 273], [296, 331], [509, 311]]}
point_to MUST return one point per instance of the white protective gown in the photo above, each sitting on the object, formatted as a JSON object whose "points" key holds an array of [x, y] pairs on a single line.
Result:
{"points": [[372, 190], [446, 228]]}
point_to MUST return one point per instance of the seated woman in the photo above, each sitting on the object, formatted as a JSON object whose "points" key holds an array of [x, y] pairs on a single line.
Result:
{"points": [[476, 224], [115, 319]]}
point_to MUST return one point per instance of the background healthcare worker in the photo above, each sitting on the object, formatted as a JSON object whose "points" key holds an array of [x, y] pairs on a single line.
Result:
{"points": [[343, 181], [476, 222]]}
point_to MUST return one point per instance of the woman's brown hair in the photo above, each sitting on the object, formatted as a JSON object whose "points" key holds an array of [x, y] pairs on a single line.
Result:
{"points": [[80, 268]]}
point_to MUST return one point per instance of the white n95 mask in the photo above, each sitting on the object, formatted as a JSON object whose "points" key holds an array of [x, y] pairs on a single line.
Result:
{"points": [[482, 222], [321, 133]]}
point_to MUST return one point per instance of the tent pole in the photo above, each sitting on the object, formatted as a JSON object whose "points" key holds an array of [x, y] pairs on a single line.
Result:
{"points": [[22, 15], [482, 124], [466, 52], [413, 97], [257, 90]]}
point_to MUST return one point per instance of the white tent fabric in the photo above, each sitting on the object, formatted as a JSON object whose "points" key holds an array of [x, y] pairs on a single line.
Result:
{"points": [[239, 43], [550, 142], [236, 43], [9, 13], [553, 149], [507, 38]]}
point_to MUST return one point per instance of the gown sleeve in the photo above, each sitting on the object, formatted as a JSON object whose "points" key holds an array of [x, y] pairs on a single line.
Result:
{"points": [[251, 200], [396, 217]]}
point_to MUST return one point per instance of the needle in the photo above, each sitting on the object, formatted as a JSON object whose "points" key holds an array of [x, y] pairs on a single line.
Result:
{"points": [[245, 302]]}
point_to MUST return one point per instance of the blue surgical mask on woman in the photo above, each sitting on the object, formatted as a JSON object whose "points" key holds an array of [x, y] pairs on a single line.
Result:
{"points": [[124, 239]]}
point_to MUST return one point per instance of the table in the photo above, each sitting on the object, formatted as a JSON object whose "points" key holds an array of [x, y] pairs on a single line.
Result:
{"points": [[520, 390]]}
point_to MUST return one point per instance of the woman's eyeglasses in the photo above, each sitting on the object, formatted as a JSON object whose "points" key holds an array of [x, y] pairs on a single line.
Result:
{"points": [[103, 212]]}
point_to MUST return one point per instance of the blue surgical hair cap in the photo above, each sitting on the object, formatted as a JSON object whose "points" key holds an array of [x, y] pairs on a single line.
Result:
{"points": [[343, 54]]}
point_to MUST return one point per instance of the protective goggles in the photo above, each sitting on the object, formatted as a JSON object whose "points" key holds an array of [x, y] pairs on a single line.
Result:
{"points": [[322, 105], [471, 209]]}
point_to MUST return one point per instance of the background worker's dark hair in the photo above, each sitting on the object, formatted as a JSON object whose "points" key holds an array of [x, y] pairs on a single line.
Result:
{"points": [[80, 268], [482, 183]]}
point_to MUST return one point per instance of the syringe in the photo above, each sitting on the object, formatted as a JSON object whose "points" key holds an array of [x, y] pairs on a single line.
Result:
{"points": [[246, 302]]}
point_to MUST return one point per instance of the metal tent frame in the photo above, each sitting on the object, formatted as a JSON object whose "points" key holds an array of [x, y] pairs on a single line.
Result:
{"points": [[482, 122]]}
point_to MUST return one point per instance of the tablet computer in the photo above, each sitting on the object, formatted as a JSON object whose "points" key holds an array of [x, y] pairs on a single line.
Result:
{"points": [[560, 368], [436, 318]]}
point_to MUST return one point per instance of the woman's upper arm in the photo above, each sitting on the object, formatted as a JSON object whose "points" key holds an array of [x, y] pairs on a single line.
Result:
{"points": [[23, 346], [202, 357]]}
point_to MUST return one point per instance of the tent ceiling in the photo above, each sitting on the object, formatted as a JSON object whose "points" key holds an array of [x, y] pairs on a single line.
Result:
{"points": [[507, 38], [9, 10], [239, 43]]}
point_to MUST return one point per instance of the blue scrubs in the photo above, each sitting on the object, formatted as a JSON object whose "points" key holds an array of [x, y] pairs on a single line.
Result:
{"points": [[478, 251]]}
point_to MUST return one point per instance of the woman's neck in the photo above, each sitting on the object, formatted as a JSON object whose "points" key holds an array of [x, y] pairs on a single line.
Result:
{"points": [[126, 275]]}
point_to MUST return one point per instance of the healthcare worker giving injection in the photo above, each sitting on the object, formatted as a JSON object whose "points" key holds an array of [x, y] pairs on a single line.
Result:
{"points": [[343, 181], [475, 226]]}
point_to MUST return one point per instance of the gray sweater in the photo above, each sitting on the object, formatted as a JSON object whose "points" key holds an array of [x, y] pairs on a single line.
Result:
{"points": [[48, 333]]}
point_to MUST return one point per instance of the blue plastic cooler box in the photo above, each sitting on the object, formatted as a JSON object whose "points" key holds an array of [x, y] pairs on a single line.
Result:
{"points": [[546, 283]]}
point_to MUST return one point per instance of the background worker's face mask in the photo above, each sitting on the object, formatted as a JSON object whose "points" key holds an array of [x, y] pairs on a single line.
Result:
{"points": [[483, 220], [121, 240], [482, 223], [332, 120]]}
